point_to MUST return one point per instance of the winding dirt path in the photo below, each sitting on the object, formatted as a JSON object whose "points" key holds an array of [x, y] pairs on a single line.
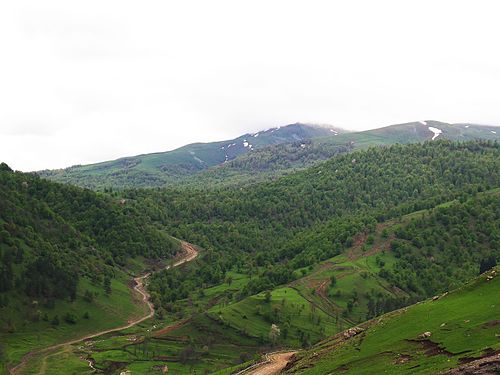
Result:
{"points": [[190, 253], [275, 362]]}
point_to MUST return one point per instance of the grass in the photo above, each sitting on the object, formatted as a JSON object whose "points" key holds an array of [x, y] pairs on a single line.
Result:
{"points": [[299, 320], [201, 345], [462, 323], [104, 312]]}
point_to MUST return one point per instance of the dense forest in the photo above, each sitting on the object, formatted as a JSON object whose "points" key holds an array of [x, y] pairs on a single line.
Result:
{"points": [[450, 244], [272, 229], [52, 234]]}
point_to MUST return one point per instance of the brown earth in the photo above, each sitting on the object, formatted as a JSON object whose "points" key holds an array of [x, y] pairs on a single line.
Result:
{"points": [[489, 364], [273, 365]]}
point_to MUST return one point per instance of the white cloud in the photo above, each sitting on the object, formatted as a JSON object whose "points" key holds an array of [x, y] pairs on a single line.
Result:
{"points": [[87, 81]]}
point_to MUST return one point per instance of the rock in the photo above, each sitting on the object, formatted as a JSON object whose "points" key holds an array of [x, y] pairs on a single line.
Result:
{"points": [[352, 332], [425, 335]]}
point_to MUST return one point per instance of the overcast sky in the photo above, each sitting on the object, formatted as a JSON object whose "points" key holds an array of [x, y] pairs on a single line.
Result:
{"points": [[86, 81]]}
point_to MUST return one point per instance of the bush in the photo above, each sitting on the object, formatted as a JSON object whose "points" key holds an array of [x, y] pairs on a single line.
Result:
{"points": [[70, 318]]}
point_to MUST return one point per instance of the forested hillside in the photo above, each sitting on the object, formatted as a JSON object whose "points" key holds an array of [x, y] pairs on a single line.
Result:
{"points": [[64, 249], [276, 228], [372, 185], [64, 228], [310, 272], [284, 263]]}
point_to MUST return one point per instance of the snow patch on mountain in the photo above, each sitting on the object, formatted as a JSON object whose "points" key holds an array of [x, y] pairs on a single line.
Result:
{"points": [[423, 122], [436, 132]]}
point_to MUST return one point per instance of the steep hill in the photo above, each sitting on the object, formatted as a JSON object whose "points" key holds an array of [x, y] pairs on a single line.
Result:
{"points": [[161, 168], [64, 257], [453, 330]]}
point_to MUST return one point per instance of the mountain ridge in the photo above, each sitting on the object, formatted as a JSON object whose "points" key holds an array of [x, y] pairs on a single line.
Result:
{"points": [[254, 157], [159, 168]]}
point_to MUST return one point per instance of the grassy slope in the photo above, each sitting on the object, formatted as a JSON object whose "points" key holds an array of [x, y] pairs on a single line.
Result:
{"points": [[105, 312], [415, 132], [253, 316], [462, 323]]}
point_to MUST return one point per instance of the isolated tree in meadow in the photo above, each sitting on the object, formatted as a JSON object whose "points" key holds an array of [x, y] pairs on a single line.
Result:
{"points": [[274, 333]]}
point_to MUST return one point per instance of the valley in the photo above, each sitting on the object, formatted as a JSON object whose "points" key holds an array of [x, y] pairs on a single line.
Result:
{"points": [[289, 265], [190, 253], [249, 188]]}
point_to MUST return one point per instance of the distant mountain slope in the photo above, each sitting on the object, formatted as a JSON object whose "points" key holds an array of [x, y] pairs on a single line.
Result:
{"points": [[274, 152], [158, 169], [453, 330], [274, 161], [418, 131]]}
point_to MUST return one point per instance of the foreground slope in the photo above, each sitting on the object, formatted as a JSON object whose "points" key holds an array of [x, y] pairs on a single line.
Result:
{"points": [[451, 330], [158, 169]]}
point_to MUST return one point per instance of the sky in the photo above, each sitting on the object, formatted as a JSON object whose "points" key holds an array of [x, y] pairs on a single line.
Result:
{"points": [[88, 81]]}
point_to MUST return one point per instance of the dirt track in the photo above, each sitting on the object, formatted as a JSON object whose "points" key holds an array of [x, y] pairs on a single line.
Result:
{"points": [[190, 253], [274, 364]]}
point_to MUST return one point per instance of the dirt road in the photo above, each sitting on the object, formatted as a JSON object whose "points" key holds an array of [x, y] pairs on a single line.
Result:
{"points": [[275, 362], [190, 253]]}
